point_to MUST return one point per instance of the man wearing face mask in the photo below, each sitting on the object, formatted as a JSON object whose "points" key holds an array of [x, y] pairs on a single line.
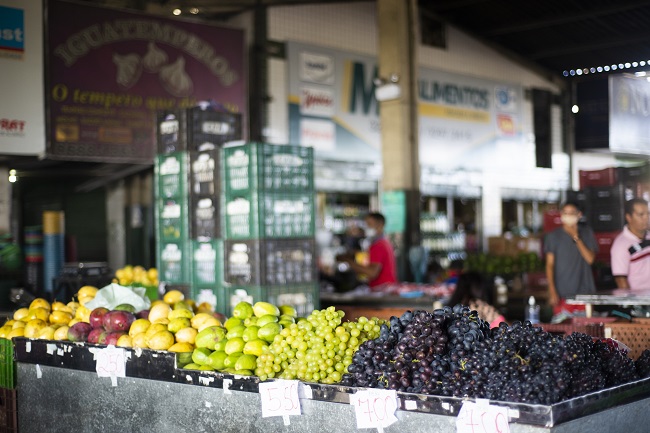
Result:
{"points": [[381, 267], [631, 249], [570, 251]]}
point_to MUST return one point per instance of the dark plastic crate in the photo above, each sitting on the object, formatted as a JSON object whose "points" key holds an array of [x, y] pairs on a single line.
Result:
{"points": [[196, 129], [303, 297], [204, 173], [7, 364], [8, 411], [637, 174], [267, 167], [607, 219], [171, 175], [270, 261], [256, 215], [205, 217], [600, 197], [605, 241]]}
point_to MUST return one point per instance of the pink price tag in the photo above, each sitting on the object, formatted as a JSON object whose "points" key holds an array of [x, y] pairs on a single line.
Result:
{"points": [[475, 418], [280, 398], [374, 408]]}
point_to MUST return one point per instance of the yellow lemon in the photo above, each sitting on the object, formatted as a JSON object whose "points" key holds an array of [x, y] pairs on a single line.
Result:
{"points": [[203, 320], [18, 324], [161, 340], [73, 306], [125, 341], [61, 333], [186, 335], [40, 303], [5, 330], [82, 314], [140, 340], [38, 313], [9, 322], [181, 348], [177, 324], [46, 333], [155, 327], [140, 325], [73, 321], [21, 313], [152, 274], [159, 311], [83, 300], [173, 296], [181, 312], [191, 304], [87, 291], [60, 317], [18, 332], [204, 307], [162, 320], [33, 327]]}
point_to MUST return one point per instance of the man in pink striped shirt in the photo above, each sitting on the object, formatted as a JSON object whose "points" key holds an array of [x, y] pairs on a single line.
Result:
{"points": [[631, 249]]}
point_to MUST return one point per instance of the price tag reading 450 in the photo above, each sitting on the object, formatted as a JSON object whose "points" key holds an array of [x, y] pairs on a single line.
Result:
{"points": [[482, 418], [374, 408], [280, 398]]}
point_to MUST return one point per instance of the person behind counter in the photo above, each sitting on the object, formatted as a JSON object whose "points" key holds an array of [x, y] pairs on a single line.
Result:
{"points": [[472, 291], [630, 251], [380, 268], [570, 251]]}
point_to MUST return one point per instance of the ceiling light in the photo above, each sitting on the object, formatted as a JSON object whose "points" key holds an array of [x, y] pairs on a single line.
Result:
{"points": [[194, 11], [640, 73], [565, 73], [641, 63], [614, 67], [13, 177], [579, 71], [177, 12], [606, 68], [635, 64], [599, 69], [575, 109], [572, 72], [627, 65]]}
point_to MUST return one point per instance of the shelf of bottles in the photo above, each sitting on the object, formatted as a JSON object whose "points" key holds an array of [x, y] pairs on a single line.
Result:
{"points": [[338, 218], [439, 239]]}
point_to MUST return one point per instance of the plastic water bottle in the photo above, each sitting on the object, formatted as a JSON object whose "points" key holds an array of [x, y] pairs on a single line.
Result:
{"points": [[532, 312]]}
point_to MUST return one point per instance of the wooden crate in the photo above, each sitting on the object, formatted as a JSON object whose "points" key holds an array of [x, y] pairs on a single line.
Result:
{"points": [[635, 335], [591, 329]]}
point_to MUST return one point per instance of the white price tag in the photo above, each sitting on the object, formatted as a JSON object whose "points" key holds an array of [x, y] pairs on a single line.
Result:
{"points": [[110, 362], [482, 418], [280, 398], [374, 408]]}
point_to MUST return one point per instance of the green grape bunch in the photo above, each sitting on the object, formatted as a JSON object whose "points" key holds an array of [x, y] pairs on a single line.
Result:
{"points": [[316, 349]]}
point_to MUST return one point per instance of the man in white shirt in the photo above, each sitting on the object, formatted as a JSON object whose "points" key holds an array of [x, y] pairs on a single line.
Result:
{"points": [[631, 249]]}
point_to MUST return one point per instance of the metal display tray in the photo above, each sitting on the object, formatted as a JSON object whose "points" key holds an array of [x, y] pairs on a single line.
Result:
{"points": [[161, 366]]}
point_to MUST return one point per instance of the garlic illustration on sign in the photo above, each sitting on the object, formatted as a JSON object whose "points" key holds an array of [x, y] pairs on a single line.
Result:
{"points": [[154, 58], [175, 79], [129, 69]]}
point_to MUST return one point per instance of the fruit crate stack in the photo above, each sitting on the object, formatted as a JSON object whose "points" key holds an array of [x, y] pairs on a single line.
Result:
{"points": [[269, 223], [188, 195]]}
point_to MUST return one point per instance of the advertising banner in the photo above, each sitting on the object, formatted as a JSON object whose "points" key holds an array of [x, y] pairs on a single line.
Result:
{"points": [[332, 107], [111, 70], [22, 115], [629, 115]]}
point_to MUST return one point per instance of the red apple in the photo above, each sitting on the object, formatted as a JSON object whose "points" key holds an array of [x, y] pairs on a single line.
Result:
{"points": [[112, 337], [118, 320], [79, 332], [96, 334], [96, 317]]}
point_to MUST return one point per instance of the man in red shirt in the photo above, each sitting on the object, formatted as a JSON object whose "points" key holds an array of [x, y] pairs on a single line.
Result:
{"points": [[381, 267]]}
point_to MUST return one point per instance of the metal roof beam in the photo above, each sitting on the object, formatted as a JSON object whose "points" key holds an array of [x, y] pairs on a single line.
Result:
{"points": [[589, 47]]}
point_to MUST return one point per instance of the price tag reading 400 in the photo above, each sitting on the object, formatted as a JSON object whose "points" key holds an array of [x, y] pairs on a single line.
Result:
{"points": [[374, 408], [483, 418], [280, 398]]}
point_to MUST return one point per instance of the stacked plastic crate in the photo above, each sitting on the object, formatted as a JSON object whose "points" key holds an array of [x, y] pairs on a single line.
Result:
{"points": [[190, 248], [269, 218]]}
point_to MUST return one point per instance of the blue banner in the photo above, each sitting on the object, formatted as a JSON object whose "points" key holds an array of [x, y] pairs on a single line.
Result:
{"points": [[12, 32]]}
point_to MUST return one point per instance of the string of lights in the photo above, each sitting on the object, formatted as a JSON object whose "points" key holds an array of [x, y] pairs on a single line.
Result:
{"points": [[606, 68]]}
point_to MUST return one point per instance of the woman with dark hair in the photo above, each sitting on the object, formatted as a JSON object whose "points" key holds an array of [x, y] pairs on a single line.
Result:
{"points": [[471, 290]]}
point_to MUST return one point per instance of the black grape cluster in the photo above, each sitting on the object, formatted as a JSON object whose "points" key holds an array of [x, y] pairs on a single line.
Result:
{"points": [[643, 364], [452, 352]]}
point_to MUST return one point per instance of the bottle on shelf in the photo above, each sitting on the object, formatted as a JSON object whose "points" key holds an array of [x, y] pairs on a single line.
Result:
{"points": [[532, 312]]}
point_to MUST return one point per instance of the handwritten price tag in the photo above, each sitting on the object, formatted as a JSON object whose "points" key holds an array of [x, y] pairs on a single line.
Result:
{"points": [[374, 408], [280, 398], [475, 418], [110, 362]]}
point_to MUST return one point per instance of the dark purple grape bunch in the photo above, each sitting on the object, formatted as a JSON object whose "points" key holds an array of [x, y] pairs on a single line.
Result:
{"points": [[642, 364]]}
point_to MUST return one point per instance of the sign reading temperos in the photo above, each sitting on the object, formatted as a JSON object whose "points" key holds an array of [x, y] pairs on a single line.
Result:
{"points": [[111, 70], [332, 107]]}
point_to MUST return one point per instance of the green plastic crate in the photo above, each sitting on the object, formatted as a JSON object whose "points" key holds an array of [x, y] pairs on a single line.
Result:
{"points": [[267, 167], [173, 262], [7, 370], [172, 219], [254, 215], [213, 295], [171, 175], [207, 263], [303, 297]]}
